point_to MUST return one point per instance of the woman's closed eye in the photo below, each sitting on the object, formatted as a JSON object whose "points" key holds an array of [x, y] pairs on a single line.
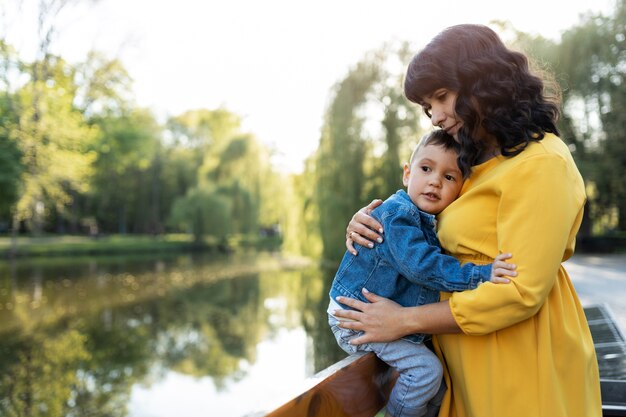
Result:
{"points": [[441, 96]]}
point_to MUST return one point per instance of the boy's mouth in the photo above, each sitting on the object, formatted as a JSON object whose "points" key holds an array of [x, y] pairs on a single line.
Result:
{"points": [[431, 196]]}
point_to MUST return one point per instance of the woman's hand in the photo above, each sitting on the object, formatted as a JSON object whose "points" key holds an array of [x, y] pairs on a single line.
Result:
{"points": [[381, 319], [362, 228]]}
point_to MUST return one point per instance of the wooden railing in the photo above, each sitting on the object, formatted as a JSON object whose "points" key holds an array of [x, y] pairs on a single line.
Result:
{"points": [[357, 386]]}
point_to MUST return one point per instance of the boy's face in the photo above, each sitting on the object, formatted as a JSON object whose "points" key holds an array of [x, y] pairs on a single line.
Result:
{"points": [[433, 179]]}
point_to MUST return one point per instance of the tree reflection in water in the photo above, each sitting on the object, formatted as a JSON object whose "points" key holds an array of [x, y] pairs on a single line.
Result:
{"points": [[77, 335]]}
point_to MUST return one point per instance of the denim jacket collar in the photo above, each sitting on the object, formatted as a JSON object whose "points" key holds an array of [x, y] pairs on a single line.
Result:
{"points": [[430, 219]]}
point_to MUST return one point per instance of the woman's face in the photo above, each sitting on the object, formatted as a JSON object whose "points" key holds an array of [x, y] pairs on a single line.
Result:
{"points": [[439, 106]]}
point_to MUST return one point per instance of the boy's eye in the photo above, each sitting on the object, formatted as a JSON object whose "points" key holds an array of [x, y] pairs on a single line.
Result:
{"points": [[425, 168], [450, 178]]}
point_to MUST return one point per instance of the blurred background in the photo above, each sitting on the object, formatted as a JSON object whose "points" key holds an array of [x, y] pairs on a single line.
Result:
{"points": [[176, 178]]}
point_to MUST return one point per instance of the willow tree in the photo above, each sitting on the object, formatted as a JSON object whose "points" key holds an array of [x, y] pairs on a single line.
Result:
{"points": [[590, 64], [234, 175], [366, 134]]}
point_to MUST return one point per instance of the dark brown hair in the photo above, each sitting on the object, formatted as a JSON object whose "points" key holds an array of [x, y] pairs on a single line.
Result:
{"points": [[495, 87], [439, 138]]}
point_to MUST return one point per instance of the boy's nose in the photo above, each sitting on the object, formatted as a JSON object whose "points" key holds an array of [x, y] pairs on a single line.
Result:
{"points": [[435, 181]]}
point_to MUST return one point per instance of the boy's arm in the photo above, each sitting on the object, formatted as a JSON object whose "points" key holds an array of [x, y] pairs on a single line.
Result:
{"points": [[500, 269], [406, 248]]}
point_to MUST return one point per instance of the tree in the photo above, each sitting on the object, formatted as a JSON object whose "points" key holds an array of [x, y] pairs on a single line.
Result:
{"points": [[591, 61], [203, 211], [50, 134], [104, 87], [233, 171], [10, 161], [340, 157], [53, 139], [125, 149], [399, 123], [367, 128]]}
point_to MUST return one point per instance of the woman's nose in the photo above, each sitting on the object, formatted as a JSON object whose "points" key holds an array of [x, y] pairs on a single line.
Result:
{"points": [[437, 117]]}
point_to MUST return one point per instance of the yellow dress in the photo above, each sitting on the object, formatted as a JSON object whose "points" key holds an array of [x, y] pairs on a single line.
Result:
{"points": [[526, 349]]}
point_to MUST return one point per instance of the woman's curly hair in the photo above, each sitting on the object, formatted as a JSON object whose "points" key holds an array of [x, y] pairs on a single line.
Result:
{"points": [[496, 90]]}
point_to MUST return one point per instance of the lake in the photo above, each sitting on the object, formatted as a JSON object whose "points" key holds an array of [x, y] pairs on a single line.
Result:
{"points": [[167, 336], [180, 335]]}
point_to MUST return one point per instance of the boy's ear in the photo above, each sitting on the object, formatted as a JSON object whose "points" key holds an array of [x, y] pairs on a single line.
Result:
{"points": [[406, 173]]}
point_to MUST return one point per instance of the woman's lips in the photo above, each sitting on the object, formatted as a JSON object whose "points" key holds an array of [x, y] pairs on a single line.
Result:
{"points": [[452, 129]]}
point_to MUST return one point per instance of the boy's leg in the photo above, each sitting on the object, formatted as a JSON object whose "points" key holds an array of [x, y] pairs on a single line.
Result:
{"points": [[420, 376], [342, 335], [435, 403], [433, 406], [420, 379]]}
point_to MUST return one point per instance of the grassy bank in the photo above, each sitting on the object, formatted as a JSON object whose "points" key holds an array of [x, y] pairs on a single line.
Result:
{"points": [[114, 244], [125, 244]]}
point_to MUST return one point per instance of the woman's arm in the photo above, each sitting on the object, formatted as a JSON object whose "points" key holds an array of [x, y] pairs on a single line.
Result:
{"points": [[383, 320], [539, 210]]}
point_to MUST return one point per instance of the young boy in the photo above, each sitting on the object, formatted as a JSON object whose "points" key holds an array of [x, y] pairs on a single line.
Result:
{"points": [[409, 268]]}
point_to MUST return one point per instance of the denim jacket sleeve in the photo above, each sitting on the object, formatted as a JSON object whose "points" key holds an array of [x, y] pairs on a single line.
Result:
{"points": [[407, 249]]}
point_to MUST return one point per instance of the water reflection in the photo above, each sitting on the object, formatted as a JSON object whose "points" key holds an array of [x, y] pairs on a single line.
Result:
{"points": [[121, 336]]}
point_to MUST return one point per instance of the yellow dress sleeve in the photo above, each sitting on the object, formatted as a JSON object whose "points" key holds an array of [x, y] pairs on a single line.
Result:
{"points": [[539, 211]]}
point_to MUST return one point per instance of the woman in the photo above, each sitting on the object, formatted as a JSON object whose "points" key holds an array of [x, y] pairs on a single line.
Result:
{"points": [[522, 349]]}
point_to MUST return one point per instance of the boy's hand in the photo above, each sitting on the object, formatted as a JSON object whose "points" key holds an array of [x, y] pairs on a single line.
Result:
{"points": [[501, 269]]}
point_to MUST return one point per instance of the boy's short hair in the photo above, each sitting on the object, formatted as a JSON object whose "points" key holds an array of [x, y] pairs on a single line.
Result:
{"points": [[438, 137]]}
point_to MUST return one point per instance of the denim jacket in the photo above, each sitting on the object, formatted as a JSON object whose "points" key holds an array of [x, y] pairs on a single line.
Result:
{"points": [[409, 266]]}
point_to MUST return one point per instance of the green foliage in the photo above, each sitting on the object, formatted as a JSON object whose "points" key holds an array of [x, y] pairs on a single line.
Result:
{"points": [[78, 346], [10, 165], [43, 377], [203, 211], [104, 86], [53, 139], [232, 172], [73, 245], [590, 63], [204, 128], [126, 149], [367, 128], [301, 222], [78, 155]]}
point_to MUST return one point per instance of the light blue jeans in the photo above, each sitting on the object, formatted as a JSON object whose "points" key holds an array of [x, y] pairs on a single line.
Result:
{"points": [[419, 389]]}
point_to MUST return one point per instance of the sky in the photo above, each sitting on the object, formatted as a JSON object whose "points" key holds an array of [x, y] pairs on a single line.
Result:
{"points": [[273, 62]]}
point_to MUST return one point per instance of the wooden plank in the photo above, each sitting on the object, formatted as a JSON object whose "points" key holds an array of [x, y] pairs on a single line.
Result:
{"points": [[357, 386]]}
